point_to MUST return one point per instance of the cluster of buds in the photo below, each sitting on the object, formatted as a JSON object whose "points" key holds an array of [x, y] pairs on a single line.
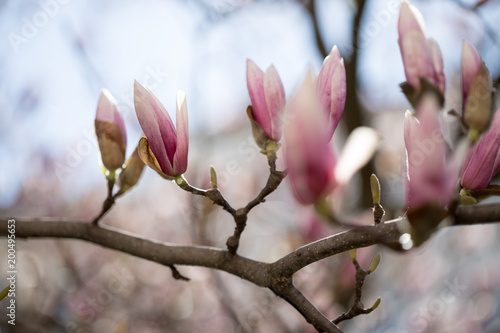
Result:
{"points": [[312, 115], [433, 172]]}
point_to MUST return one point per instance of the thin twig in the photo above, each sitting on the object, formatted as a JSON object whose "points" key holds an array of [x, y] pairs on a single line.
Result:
{"points": [[240, 215], [108, 203], [358, 308], [286, 290]]}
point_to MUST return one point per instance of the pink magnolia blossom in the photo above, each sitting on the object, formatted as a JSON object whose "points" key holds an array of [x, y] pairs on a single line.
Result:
{"points": [[313, 169], [432, 178], [483, 159], [308, 156], [110, 131], [164, 148], [331, 85], [421, 57], [268, 99]]}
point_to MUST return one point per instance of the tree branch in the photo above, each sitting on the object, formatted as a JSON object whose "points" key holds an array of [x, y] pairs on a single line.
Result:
{"points": [[292, 295], [275, 276], [160, 252]]}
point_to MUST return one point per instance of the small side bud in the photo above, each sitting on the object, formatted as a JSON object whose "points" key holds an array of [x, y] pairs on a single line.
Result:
{"points": [[353, 255], [213, 177], [4, 292], [376, 304], [374, 264], [375, 186]]}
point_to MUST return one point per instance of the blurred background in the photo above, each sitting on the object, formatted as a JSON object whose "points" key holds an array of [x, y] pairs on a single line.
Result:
{"points": [[56, 56]]}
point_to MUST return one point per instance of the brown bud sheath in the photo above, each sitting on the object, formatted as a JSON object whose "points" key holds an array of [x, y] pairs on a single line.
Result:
{"points": [[131, 173]]}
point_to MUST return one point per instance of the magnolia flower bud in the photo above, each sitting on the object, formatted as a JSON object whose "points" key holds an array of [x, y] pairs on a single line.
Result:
{"points": [[110, 131], [331, 86], [165, 148], [432, 175], [268, 102], [422, 57]]}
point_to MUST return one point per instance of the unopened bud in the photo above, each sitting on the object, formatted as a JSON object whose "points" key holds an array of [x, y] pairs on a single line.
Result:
{"points": [[376, 304], [375, 186], [110, 132], [352, 253], [375, 262], [213, 177]]}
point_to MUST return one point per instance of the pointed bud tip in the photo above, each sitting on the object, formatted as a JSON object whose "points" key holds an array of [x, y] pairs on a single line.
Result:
{"points": [[375, 262]]}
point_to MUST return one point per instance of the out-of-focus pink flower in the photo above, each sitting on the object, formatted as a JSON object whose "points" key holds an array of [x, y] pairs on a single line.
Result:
{"points": [[313, 169], [331, 85], [483, 159], [110, 131], [476, 89], [308, 156], [432, 179], [268, 99], [164, 149], [422, 58]]}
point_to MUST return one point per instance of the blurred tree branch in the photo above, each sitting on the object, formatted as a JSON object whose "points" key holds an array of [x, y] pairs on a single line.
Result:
{"points": [[276, 276]]}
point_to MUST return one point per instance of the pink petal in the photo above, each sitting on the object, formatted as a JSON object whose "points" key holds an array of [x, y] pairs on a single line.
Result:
{"points": [[482, 163], [416, 60], [330, 85], [437, 64], [426, 149], [255, 85], [157, 126], [107, 110], [181, 154], [471, 62], [275, 101], [410, 19], [308, 156], [338, 95]]}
